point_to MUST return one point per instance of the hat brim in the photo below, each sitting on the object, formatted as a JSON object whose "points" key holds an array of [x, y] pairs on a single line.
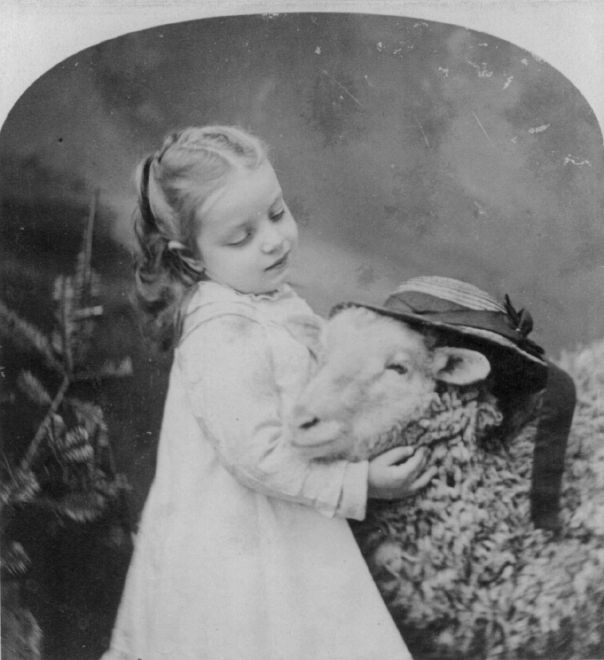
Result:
{"points": [[478, 336]]}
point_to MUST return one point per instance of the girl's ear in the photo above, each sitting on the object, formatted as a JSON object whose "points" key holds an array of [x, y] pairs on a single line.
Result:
{"points": [[459, 366]]}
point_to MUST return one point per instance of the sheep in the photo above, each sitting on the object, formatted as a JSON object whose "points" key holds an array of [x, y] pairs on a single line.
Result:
{"points": [[380, 376], [460, 565]]}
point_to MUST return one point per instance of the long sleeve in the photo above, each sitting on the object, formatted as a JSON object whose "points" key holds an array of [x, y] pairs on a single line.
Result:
{"points": [[228, 369]]}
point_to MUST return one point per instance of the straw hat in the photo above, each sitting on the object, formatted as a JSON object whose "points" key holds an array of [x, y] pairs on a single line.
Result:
{"points": [[465, 315]]}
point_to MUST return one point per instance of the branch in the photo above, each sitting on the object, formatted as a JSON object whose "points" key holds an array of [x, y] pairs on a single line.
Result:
{"points": [[88, 243], [42, 431], [27, 336], [65, 322]]}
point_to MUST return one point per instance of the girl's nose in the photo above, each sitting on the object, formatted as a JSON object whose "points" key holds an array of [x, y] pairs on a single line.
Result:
{"points": [[272, 239]]}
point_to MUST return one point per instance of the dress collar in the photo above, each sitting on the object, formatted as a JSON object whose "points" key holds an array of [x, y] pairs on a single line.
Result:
{"points": [[282, 292], [208, 291]]}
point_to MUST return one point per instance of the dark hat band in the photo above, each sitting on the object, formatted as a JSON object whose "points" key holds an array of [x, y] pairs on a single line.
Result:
{"points": [[515, 329]]}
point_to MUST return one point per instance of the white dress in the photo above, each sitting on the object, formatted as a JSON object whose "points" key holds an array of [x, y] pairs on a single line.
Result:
{"points": [[244, 552]]}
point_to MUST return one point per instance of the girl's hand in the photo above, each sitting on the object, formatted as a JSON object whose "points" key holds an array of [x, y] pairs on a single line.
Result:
{"points": [[395, 474]]}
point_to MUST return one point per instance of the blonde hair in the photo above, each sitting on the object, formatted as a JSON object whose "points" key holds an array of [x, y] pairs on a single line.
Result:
{"points": [[172, 185]]}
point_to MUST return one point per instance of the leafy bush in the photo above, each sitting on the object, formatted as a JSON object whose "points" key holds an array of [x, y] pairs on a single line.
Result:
{"points": [[67, 468]]}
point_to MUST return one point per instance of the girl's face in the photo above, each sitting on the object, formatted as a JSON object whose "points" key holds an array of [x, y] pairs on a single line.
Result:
{"points": [[247, 234]]}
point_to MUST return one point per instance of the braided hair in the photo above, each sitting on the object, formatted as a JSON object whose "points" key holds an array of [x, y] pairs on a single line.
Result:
{"points": [[172, 185]]}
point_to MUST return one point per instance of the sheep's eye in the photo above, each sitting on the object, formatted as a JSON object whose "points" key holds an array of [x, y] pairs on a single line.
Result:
{"points": [[400, 369]]}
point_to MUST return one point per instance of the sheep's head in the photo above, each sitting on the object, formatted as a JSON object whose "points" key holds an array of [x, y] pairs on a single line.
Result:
{"points": [[376, 374]]}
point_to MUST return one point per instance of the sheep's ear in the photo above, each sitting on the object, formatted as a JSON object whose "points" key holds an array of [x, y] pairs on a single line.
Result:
{"points": [[460, 366]]}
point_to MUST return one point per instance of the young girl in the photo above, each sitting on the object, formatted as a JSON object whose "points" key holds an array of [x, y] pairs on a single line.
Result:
{"points": [[244, 552]]}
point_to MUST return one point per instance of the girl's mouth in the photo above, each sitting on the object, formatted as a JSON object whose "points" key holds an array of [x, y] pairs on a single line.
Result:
{"points": [[280, 263]]}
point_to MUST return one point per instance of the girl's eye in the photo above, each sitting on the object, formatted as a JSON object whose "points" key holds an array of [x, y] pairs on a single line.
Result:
{"points": [[240, 240], [275, 217], [400, 369]]}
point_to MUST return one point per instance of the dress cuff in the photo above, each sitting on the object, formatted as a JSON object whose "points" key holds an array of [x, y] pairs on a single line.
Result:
{"points": [[353, 501]]}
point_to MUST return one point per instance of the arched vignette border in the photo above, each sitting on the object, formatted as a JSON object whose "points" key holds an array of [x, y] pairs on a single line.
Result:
{"points": [[562, 32]]}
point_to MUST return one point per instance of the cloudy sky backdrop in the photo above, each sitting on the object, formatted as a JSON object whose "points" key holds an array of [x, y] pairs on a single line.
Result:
{"points": [[404, 147]]}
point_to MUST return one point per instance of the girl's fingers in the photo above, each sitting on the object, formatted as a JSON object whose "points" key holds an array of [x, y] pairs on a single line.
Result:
{"points": [[424, 480], [396, 455], [399, 472], [415, 463]]}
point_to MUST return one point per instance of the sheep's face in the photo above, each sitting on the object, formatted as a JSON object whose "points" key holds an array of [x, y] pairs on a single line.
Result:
{"points": [[375, 373]]}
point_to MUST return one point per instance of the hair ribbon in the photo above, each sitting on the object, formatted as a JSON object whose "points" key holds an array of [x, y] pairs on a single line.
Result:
{"points": [[145, 204]]}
